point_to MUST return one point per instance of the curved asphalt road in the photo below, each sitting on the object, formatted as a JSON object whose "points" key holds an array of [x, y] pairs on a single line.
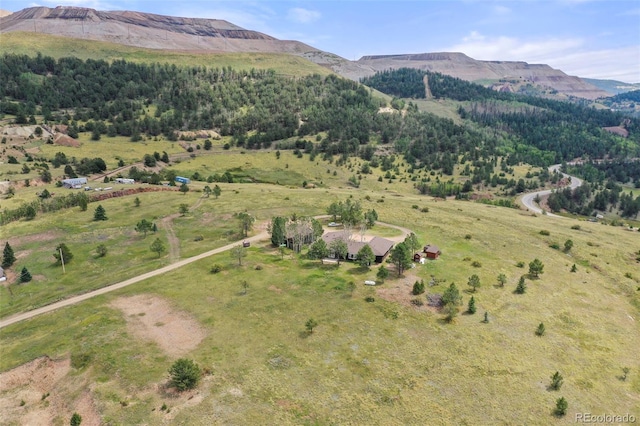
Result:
{"points": [[528, 199], [77, 299]]}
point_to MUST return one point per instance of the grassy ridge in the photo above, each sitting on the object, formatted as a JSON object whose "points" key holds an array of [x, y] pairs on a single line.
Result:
{"points": [[58, 47]]}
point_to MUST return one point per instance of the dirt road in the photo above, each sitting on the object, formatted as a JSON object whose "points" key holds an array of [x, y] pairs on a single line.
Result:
{"points": [[77, 299]]}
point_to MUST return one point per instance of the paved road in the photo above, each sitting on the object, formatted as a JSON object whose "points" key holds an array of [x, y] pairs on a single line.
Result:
{"points": [[82, 297], [528, 199]]}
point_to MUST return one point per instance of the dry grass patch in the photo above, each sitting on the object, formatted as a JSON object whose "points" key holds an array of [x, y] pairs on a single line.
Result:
{"points": [[152, 318]]}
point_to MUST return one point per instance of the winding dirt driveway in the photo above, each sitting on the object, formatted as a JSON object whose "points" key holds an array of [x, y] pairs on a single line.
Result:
{"points": [[264, 235], [528, 200]]}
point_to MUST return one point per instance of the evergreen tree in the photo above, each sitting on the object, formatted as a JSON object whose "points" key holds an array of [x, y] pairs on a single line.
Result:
{"points": [[382, 273], [452, 295], [556, 381], [366, 256], [561, 406], [521, 288], [574, 268], [100, 213], [418, 288], [401, 257], [185, 374], [278, 230], [62, 253], [540, 330], [76, 420], [8, 257], [310, 325], [472, 306], [25, 276]]}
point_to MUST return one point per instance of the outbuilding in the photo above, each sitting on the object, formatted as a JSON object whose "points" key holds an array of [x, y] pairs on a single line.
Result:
{"points": [[74, 182], [432, 252]]}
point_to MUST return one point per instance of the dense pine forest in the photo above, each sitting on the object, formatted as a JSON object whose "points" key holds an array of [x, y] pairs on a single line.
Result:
{"points": [[559, 131]]}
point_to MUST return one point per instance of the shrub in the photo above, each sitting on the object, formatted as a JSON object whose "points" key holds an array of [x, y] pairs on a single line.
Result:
{"points": [[185, 374], [540, 330], [418, 287], [555, 246], [467, 237], [216, 268], [369, 299], [425, 210], [476, 264], [80, 360], [561, 406], [545, 232], [520, 264], [417, 302], [576, 227], [76, 420]]}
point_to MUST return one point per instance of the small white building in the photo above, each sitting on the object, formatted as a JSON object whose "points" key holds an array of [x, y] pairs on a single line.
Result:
{"points": [[124, 180], [74, 182]]}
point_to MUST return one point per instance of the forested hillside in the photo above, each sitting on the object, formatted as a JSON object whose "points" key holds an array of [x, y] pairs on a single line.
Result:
{"points": [[326, 116], [560, 131]]}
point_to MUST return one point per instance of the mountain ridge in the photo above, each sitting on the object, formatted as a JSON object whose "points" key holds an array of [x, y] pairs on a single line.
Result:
{"points": [[213, 35]]}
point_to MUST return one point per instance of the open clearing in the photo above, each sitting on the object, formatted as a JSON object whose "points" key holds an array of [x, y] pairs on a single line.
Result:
{"points": [[151, 318]]}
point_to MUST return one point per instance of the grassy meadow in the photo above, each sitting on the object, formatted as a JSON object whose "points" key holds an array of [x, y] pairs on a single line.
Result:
{"points": [[380, 362]]}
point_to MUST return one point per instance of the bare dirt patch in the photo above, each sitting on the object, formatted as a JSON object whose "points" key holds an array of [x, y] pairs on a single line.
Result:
{"points": [[152, 318], [34, 238], [64, 140], [399, 291], [36, 393]]}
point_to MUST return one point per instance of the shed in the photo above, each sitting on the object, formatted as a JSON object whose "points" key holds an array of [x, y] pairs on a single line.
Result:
{"points": [[432, 251], [417, 257], [74, 182], [125, 180]]}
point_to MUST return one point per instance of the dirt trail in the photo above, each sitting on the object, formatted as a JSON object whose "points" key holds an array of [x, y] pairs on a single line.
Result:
{"points": [[174, 242]]}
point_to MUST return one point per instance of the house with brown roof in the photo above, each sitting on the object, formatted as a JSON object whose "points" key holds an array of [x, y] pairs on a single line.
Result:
{"points": [[380, 246]]}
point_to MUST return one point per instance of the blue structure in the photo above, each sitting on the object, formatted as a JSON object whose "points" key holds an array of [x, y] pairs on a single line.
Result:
{"points": [[181, 179]]}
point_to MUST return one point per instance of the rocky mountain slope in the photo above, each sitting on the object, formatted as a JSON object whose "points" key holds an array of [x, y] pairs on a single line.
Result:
{"points": [[212, 35], [146, 30]]}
